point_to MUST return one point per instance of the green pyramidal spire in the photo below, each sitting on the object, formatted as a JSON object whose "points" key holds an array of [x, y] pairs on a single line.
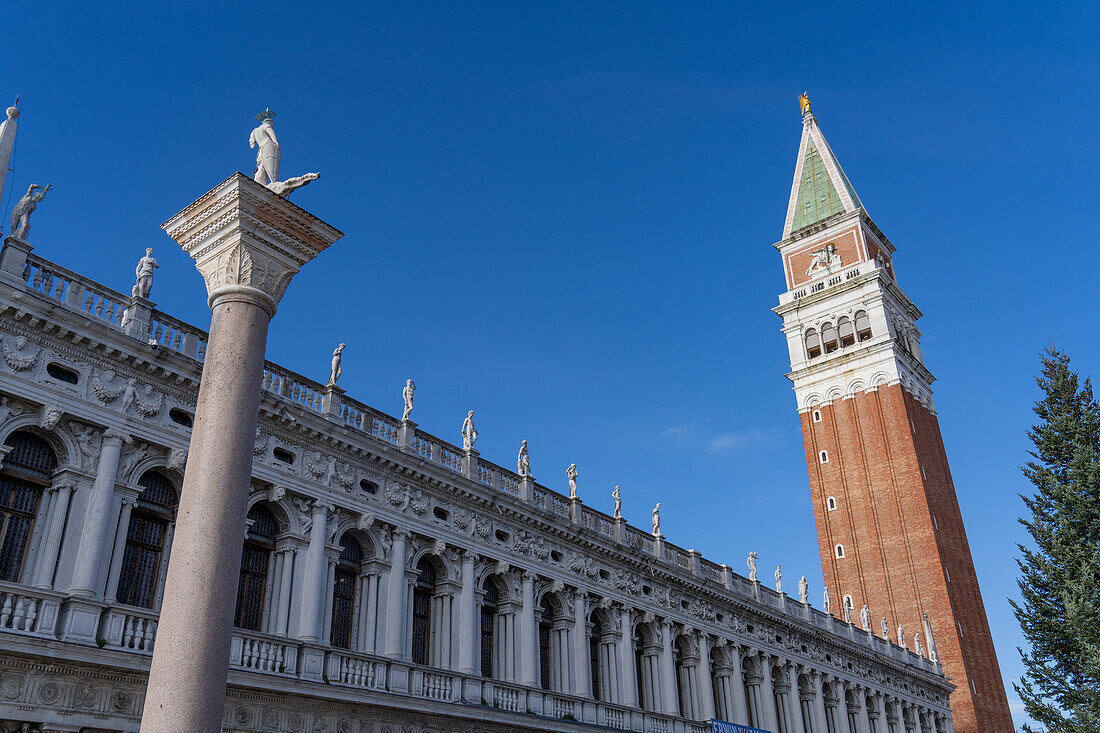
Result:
{"points": [[821, 189]]}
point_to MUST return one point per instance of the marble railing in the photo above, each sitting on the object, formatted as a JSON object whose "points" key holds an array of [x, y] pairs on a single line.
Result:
{"points": [[78, 292], [127, 627], [26, 610], [178, 336]]}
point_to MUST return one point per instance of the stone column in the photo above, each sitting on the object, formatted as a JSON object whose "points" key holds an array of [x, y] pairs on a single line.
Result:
{"points": [[794, 700], [467, 623], [740, 715], [767, 693], [97, 515], [115, 571], [309, 626], [248, 243], [527, 670], [706, 679], [282, 607], [582, 665], [628, 672], [820, 725], [58, 509], [395, 598], [668, 672]]}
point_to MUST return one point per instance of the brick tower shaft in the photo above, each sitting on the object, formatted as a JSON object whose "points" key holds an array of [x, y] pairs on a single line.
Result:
{"points": [[889, 528]]}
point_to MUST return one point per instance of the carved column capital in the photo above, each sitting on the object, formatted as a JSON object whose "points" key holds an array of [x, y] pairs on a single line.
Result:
{"points": [[247, 241], [115, 437]]}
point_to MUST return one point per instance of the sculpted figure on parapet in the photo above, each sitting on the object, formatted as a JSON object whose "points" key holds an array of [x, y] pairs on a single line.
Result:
{"points": [[571, 474], [803, 590], [618, 503], [657, 520], [778, 579], [336, 371], [21, 214], [752, 566], [469, 432], [407, 394], [144, 273], [523, 461], [826, 603]]}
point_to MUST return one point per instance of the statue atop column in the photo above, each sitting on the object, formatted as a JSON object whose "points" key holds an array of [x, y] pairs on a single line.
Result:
{"points": [[21, 214], [778, 579], [571, 474], [144, 274], [752, 566], [335, 372], [618, 503], [407, 395], [803, 590], [469, 432], [268, 157], [523, 461], [657, 520]]}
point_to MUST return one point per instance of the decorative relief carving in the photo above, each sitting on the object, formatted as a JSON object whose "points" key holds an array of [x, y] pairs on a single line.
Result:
{"points": [[103, 389], [19, 358], [49, 692], [10, 408]]}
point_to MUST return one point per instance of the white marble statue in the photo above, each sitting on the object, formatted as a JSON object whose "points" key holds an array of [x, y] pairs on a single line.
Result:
{"points": [[144, 273], [778, 579], [916, 644], [752, 566], [571, 474], [657, 520], [268, 153], [847, 610], [21, 214], [803, 590], [336, 371], [901, 637], [268, 157], [825, 259], [932, 654], [407, 394], [865, 617], [618, 503], [826, 602], [885, 629], [469, 432], [523, 461]]}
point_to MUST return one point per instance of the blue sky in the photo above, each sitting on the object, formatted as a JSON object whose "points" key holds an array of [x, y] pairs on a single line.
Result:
{"points": [[561, 215]]}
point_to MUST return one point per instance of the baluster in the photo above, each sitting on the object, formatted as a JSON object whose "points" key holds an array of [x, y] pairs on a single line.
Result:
{"points": [[279, 656], [5, 611], [17, 617], [32, 614], [27, 272], [127, 632], [152, 639]]}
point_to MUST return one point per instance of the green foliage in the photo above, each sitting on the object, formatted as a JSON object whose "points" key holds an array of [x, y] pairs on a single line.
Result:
{"points": [[1060, 576]]}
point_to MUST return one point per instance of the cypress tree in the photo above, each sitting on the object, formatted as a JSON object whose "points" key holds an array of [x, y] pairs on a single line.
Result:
{"points": [[1060, 575]]}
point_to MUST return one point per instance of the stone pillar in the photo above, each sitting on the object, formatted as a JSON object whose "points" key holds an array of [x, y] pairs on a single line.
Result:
{"points": [[527, 669], [628, 672], [97, 515], [282, 607], [767, 694], [406, 436], [58, 509], [248, 243], [668, 672], [706, 679], [313, 584], [794, 700], [115, 571], [582, 665], [820, 725], [467, 623], [137, 319], [395, 598], [740, 715]]}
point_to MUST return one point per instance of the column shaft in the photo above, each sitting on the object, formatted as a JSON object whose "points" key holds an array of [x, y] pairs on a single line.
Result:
{"points": [[528, 640], [706, 680], [668, 672], [97, 514], [581, 663], [48, 562], [115, 571], [627, 670], [309, 627], [395, 598], [467, 624]]}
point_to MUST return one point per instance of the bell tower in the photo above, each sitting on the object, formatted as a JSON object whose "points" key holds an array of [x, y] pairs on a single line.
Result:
{"points": [[889, 528]]}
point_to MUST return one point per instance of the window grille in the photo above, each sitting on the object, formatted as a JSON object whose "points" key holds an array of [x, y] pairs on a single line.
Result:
{"points": [[25, 469], [422, 611], [594, 655], [544, 643], [137, 583], [343, 591], [259, 543], [488, 618]]}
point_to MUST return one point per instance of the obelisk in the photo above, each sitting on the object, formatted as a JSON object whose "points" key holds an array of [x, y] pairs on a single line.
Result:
{"points": [[7, 142], [248, 242]]}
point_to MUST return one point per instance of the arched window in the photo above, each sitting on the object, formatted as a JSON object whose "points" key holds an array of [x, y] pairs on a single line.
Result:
{"points": [[343, 590], [422, 611], [863, 326], [828, 338], [255, 557], [682, 681], [817, 415], [545, 623], [594, 654], [490, 604], [847, 333], [813, 344], [24, 473], [831, 503], [823, 456], [142, 558], [839, 552]]}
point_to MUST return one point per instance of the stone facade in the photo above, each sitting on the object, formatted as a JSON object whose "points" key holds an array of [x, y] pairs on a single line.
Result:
{"points": [[889, 527], [390, 581]]}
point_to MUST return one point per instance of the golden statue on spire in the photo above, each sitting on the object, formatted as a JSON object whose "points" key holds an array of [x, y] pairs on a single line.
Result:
{"points": [[804, 103]]}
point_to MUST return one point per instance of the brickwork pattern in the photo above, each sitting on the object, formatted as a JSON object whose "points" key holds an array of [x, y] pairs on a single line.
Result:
{"points": [[905, 548]]}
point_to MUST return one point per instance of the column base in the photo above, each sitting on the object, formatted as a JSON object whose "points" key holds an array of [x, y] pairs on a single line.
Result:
{"points": [[78, 620]]}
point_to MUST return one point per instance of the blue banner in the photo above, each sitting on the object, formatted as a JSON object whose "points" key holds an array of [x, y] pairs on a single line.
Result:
{"points": [[721, 726]]}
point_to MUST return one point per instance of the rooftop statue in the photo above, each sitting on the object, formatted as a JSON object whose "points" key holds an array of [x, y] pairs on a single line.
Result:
{"points": [[469, 432], [901, 637], [804, 103], [407, 394], [803, 590], [21, 214], [571, 474], [523, 461], [268, 157], [826, 603], [144, 274], [847, 610], [618, 503], [778, 579], [752, 566], [885, 629], [336, 371], [657, 520], [865, 617]]}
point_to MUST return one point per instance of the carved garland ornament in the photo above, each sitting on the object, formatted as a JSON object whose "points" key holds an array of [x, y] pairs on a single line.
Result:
{"points": [[16, 359]]}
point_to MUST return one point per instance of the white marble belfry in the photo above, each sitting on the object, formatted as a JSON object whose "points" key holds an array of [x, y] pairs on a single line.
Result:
{"points": [[248, 243]]}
